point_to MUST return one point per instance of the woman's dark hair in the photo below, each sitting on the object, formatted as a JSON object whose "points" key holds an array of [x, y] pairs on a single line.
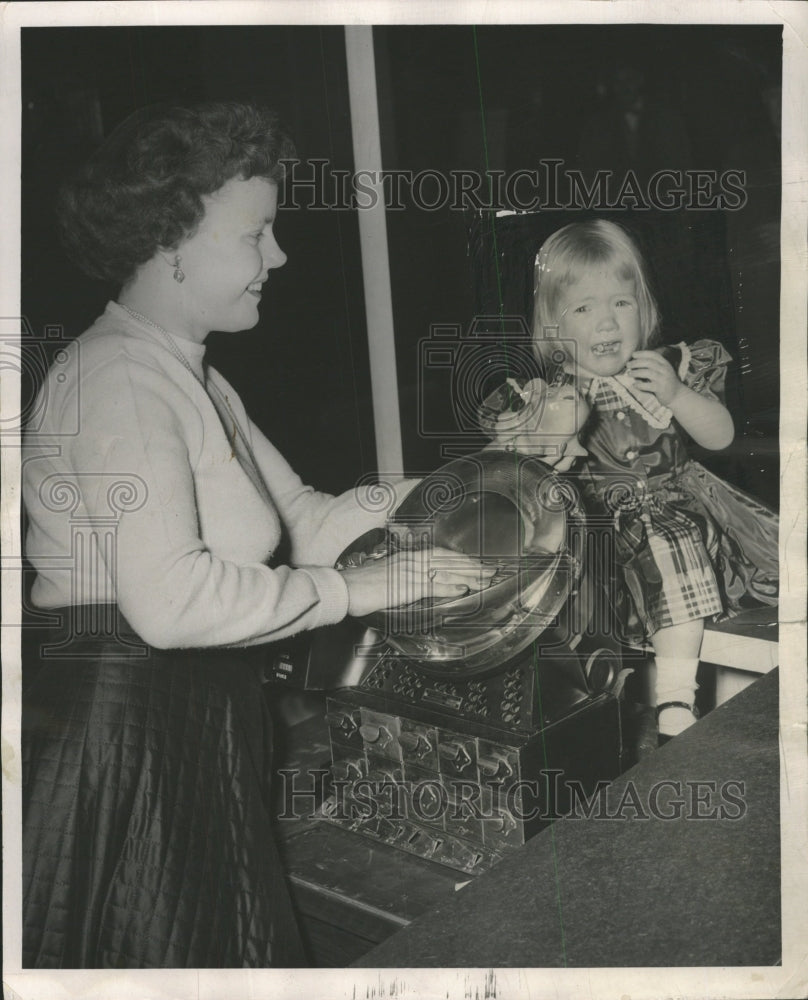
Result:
{"points": [[143, 188]]}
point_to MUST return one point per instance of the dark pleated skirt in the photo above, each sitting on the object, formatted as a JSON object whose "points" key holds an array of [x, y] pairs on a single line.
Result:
{"points": [[147, 838]]}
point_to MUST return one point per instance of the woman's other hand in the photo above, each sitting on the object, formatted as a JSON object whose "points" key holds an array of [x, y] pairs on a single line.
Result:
{"points": [[407, 577]]}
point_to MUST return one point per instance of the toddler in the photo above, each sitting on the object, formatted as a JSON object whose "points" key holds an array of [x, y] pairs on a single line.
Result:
{"points": [[689, 547]]}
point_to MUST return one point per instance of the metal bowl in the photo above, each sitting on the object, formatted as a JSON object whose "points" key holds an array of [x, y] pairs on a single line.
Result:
{"points": [[506, 509]]}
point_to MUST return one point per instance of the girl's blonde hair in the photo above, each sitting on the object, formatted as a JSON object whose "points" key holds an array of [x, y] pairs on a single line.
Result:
{"points": [[563, 259]]}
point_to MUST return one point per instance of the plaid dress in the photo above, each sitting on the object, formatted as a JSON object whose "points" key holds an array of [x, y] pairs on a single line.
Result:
{"points": [[686, 544]]}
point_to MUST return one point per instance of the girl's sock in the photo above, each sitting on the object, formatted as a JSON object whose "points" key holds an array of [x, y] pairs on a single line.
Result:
{"points": [[675, 681]]}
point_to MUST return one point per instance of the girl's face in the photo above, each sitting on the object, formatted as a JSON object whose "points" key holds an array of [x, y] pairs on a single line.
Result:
{"points": [[227, 260], [600, 313]]}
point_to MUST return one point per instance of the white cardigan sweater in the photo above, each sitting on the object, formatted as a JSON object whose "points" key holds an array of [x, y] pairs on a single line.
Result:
{"points": [[134, 497]]}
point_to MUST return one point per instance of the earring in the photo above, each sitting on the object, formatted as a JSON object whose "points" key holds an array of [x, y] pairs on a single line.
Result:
{"points": [[179, 274]]}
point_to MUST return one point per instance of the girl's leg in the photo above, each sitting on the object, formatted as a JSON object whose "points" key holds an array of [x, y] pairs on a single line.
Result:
{"points": [[676, 650]]}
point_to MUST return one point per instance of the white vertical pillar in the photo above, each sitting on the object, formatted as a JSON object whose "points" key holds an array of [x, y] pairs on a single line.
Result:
{"points": [[373, 241]]}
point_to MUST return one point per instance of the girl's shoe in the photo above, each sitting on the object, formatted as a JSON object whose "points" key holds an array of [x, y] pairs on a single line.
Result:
{"points": [[665, 737]]}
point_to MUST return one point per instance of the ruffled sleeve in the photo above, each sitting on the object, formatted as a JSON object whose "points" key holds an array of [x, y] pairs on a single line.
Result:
{"points": [[704, 368]]}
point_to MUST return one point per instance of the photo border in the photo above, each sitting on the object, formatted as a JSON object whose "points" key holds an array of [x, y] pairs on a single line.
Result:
{"points": [[790, 979]]}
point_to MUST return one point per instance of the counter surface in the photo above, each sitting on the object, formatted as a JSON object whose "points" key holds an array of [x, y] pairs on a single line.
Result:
{"points": [[699, 889]]}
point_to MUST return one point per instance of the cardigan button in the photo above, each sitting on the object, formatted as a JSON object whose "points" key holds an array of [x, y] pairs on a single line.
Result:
{"points": [[631, 455], [620, 415]]}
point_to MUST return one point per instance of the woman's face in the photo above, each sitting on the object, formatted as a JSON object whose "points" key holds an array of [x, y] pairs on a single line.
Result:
{"points": [[599, 312], [227, 260]]}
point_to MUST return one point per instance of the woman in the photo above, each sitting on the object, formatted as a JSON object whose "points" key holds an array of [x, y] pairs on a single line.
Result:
{"points": [[147, 839]]}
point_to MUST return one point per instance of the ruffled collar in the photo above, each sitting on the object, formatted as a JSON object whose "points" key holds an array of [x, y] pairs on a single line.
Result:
{"points": [[654, 413]]}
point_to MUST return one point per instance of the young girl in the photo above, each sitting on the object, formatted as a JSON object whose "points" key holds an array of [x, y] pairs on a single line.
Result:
{"points": [[688, 546]]}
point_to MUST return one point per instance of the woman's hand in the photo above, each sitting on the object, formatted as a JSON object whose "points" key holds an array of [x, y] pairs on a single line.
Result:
{"points": [[653, 374], [407, 577]]}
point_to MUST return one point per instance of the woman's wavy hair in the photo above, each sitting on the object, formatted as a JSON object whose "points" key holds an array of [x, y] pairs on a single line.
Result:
{"points": [[142, 189], [563, 259]]}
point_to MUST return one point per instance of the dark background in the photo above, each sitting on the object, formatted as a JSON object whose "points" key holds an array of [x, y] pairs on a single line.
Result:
{"points": [[450, 97], [508, 97]]}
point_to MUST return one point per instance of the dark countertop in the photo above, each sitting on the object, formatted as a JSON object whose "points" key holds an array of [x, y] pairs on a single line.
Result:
{"points": [[635, 891]]}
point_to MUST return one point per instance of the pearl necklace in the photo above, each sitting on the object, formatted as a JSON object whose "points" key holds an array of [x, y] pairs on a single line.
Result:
{"points": [[172, 344]]}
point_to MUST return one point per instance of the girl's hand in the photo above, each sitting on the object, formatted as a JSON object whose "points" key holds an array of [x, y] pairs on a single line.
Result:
{"points": [[407, 577], [706, 420], [652, 373]]}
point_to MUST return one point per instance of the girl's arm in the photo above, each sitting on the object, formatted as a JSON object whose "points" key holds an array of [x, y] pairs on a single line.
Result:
{"points": [[705, 419]]}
